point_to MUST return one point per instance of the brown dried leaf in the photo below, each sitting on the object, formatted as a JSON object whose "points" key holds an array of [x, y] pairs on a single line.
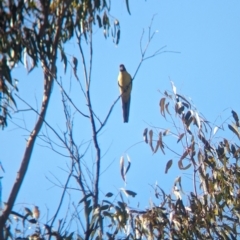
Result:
{"points": [[168, 165], [179, 108], [205, 127], [180, 165], [161, 142], [236, 153], [145, 135], [226, 145], [200, 158], [177, 180], [166, 107], [162, 104], [150, 139], [163, 197], [129, 165], [166, 93], [188, 104], [205, 142], [166, 132], [184, 154], [233, 128], [157, 146], [188, 166], [180, 137]]}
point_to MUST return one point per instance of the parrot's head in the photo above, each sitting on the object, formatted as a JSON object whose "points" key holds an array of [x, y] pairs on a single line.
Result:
{"points": [[122, 68]]}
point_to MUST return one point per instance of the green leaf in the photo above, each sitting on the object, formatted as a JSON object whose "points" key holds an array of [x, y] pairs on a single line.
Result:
{"points": [[122, 168], [104, 207], [128, 167], [168, 166], [107, 214], [88, 210], [109, 194], [85, 198], [180, 137], [127, 4], [70, 236], [64, 59], [122, 205], [34, 221], [128, 192], [99, 21], [118, 36], [107, 202], [28, 211]]}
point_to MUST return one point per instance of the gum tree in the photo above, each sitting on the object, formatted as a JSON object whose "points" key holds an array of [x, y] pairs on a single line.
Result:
{"points": [[34, 33]]}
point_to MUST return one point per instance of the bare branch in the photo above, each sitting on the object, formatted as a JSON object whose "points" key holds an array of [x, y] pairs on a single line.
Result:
{"points": [[83, 63], [108, 114], [92, 120], [28, 151], [143, 52], [69, 99], [62, 197]]}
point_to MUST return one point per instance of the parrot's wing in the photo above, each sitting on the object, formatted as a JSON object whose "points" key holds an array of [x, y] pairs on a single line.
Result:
{"points": [[126, 108]]}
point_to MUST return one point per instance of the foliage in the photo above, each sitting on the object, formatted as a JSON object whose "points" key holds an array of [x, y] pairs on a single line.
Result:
{"points": [[211, 208], [209, 211], [33, 31]]}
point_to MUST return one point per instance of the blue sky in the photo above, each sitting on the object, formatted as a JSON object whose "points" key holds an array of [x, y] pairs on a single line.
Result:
{"points": [[207, 35]]}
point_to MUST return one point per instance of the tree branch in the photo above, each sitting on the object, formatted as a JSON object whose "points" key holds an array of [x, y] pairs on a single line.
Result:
{"points": [[48, 82]]}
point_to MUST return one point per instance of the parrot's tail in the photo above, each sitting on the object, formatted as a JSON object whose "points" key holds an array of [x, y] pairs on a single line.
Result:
{"points": [[126, 108]]}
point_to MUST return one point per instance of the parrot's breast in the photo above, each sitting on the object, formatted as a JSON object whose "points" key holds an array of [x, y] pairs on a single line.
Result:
{"points": [[125, 85]]}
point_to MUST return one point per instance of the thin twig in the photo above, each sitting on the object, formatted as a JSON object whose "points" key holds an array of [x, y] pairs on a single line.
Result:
{"points": [[62, 197], [109, 112], [92, 121], [70, 100]]}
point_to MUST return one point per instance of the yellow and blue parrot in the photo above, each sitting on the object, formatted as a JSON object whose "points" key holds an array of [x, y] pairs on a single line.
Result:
{"points": [[125, 87]]}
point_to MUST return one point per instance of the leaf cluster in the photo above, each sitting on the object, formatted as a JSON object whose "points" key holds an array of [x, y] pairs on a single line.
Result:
{"points": [[32, 30]]}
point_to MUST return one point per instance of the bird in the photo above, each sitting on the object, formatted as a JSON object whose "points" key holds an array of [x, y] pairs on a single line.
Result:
{"points": [[125, 87]]}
